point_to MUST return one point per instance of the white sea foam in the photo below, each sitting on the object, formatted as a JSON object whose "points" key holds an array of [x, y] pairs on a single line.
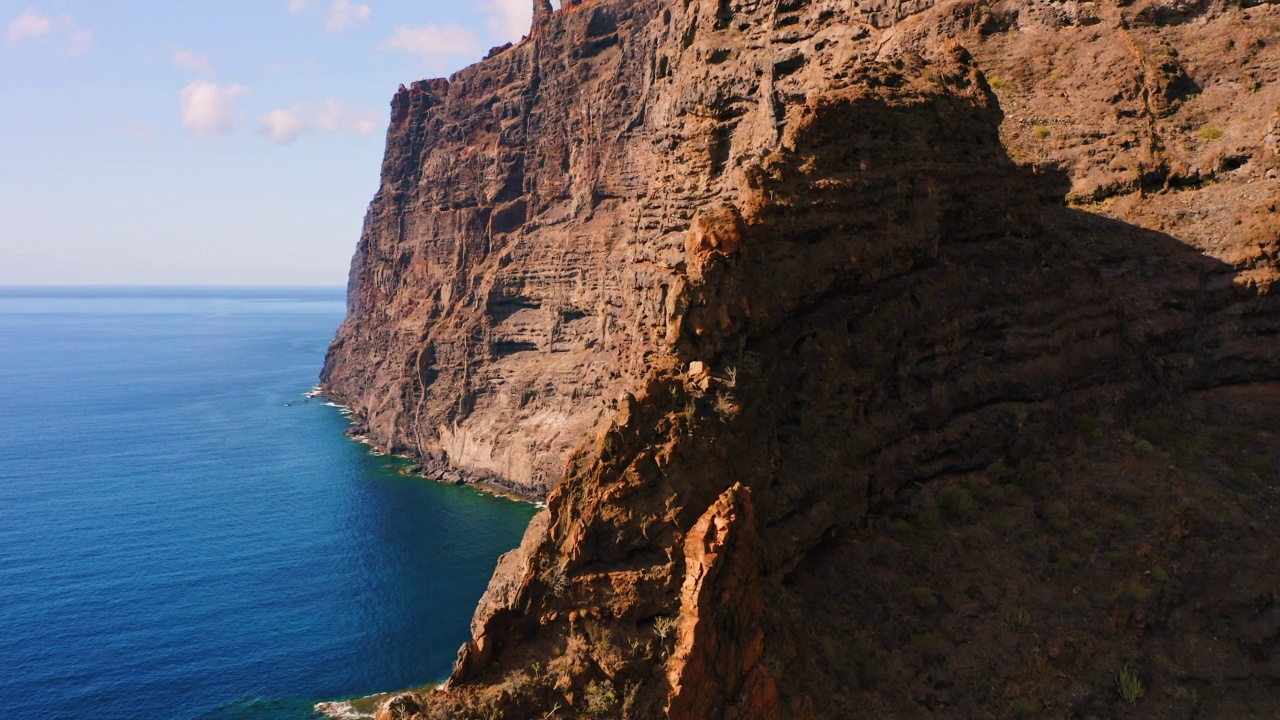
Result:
{"points": [[341, 711]]}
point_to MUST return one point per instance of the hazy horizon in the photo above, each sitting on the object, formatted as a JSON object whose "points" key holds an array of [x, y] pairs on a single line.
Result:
{"points": [[235, 144]]}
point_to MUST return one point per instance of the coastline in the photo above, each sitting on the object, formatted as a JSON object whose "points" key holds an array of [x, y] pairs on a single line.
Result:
{"points": [[427, 468], [366, 707]]}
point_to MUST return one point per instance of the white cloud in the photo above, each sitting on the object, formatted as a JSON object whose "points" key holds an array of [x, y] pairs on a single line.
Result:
{"points": [[343, 14], [286, 124], [71, 39], [333, 117], [433, 42], [79, 41], [283, 126], [29, 25], [198, 64], [297, 6], [207, 107], [508, 20]]}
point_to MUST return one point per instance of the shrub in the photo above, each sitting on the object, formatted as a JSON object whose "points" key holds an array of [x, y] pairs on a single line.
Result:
{"points": [[1129, 685], [599, 698], [1018, 617], [1024, 709], [1040, 132], [1089, 426], [1057, 516], [1159, 432], [1208, 132], [957, 503], [662, 626]]}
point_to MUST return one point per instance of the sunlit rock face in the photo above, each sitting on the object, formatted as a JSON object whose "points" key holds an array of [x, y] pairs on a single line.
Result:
{"points": [[723, 279]]}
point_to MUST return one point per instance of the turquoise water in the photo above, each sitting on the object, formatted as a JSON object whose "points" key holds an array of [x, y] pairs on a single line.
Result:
{"points": [[182, 535]]}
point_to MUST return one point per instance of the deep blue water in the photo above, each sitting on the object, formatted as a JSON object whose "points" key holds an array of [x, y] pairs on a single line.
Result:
{"points": [[182, 536]]}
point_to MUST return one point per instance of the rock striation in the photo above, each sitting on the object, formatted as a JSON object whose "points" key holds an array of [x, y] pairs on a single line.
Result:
{"points": [[725, 279]]}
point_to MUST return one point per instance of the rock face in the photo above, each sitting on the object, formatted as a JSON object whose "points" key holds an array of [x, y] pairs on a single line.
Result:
{"points": [[723, 279]]}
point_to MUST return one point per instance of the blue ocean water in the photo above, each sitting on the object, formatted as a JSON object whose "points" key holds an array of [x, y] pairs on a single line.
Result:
{"points": [[183, 536]]}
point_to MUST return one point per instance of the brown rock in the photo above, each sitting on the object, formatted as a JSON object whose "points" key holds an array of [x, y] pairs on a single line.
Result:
{"points": [[866, 211]]}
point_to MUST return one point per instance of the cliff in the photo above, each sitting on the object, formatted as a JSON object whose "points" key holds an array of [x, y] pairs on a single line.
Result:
{"points": [[772, 301]]}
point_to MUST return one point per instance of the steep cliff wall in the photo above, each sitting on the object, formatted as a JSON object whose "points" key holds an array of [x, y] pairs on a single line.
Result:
{"points": [[730, 279]]}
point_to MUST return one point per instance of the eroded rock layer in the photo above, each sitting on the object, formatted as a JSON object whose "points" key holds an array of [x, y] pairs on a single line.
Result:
{"points": [[728, 279]]}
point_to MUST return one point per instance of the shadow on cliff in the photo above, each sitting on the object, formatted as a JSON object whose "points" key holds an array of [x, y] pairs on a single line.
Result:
{"points": [[898, 310]]}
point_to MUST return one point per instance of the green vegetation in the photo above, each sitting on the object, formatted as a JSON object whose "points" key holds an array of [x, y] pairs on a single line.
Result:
{"points": [[1057, 516], [662, 626], [1040, 132], [1208, 132], [1024, 709], [1018, 617], [957, 503], [1160, 432], [1089, 426], [996, 82], [599, 698], [1129, 685]]}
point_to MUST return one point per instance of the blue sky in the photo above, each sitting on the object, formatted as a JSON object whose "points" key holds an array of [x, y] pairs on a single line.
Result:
{"points": [[211, 142]]}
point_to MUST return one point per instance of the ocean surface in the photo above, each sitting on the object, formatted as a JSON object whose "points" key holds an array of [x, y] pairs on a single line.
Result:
{"points": [[183, 534]]}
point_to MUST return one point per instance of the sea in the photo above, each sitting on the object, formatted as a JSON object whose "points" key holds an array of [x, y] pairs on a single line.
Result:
{"points": [[185, 533]]}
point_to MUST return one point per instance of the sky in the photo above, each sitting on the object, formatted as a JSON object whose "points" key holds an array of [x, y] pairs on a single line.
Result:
{"points": [[209, 142]]}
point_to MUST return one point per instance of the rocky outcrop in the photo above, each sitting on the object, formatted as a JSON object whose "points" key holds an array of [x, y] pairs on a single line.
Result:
{"points": [[726, 279]]}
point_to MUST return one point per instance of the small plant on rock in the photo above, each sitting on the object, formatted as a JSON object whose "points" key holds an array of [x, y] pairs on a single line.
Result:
{"points": [[599, 698], [1018, 617], [662, 626], [1129, 685], [1208, 132]]}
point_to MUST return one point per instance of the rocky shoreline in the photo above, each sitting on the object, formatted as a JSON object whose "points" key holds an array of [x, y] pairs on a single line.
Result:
{"points": [[440, 470]]}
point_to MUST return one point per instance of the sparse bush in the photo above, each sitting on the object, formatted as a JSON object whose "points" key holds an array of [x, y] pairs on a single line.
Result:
{"points": [[1057, 516], [1018, 617], [996, 82], [725, 407], [1068, 559], [1133, 591], [1089, 426], [1040, 132], [558, 581], [929, 647], [1024, 709], [1160, 432], [924, 598], [957, 503], [1129, 685], [599, 698], [1036, 478], [1123, 521], [662, 626], [1208, 132], [1144, 447]]}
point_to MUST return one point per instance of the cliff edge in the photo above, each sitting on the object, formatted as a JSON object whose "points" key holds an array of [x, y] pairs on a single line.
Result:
{"points": [[781, 304]]}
